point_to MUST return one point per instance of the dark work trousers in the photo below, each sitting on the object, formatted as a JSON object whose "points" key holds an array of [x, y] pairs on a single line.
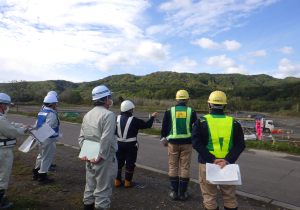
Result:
{"points": [[126, 154]]}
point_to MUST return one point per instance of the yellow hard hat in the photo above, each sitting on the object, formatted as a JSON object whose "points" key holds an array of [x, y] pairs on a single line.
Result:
{"points": [[182, 94], [217, 97]]}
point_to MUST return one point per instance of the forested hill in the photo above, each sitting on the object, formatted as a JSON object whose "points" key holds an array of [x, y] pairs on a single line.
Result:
{"points": [[248, 91]]}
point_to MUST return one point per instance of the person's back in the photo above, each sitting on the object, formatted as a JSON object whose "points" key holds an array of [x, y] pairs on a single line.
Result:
{"points": [[135, 125], [99, 126], [94, 123], [126, 131], [218, 139], [176, 135]]}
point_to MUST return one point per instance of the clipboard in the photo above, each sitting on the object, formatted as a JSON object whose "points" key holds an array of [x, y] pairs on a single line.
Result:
{"points": [[42, 133], [90, 149], [29, 144]]}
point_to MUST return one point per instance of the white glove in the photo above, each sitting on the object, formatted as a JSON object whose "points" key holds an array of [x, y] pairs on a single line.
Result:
{"points": [[164, 141]]}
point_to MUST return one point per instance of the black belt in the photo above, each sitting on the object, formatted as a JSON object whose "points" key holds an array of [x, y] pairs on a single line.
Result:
{"points": [[7, 142]]}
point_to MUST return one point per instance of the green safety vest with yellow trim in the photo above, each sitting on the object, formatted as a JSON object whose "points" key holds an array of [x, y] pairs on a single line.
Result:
{"points": [[220, 134], [181, 118]]}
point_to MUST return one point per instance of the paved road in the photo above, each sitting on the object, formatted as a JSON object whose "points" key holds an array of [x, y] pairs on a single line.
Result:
{"points": [[272, 175]]}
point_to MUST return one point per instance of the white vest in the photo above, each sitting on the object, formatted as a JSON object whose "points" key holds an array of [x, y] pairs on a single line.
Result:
{"points": [[120, 137]]}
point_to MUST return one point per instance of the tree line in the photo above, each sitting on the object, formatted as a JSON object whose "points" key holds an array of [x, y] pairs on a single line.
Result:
{"points": [[245, 92]]}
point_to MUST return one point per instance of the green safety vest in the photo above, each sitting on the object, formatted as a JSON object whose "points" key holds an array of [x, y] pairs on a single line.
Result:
{"points": [[220, 134], [181, 118]]}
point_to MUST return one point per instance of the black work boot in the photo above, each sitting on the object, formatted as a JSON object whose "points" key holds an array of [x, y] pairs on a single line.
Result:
{"points": [[226, 208], [174, 187], [183, 186], [44, 179], [35, 174], [89, 206], [4, 203]]}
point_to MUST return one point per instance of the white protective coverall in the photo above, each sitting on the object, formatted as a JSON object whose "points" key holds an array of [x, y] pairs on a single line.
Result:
{"points": [[99, 125], [8, 130], [48, 147]]}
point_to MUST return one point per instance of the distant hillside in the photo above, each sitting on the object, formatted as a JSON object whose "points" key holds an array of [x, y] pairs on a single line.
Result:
{"points": [[252, 92]]}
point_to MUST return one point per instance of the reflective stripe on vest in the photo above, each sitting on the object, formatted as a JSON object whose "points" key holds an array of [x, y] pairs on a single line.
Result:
{"points": [[181, 118], [41, 119], [220, 134], [123, 137]]}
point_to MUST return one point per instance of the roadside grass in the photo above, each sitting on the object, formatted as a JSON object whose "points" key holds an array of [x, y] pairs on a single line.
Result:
{"points": [[77, 119], [151, 131], [54, 188], [287, 113], [30, 195], [287, 147], [23, 113], [21, 201]]}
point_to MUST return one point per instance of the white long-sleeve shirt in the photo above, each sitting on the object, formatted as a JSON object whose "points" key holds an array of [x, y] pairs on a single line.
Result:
{"points": [[99, 125]]}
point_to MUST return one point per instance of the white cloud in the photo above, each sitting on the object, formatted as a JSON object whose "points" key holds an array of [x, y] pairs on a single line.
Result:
{"points": [[258, 53], [228, 64], [287, 68], [286, 50], [133, 54], [198, 17], [206, 43], [38, 37], [231, 45], [152, 50], [185, 65]]}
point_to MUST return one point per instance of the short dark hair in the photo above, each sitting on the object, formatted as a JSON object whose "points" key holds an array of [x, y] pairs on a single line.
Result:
{"points": [[99, 102], [217, 106], [48, 104], [183, 101]]}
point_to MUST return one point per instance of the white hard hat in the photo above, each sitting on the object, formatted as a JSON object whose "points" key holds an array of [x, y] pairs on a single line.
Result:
{"points": [[5, 99], [126, 106], [52, 92], [100, 91], [50, 99]]}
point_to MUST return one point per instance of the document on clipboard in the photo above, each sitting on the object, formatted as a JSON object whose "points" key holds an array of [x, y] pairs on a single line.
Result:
{"points": [[229, 175], [28, 144], [90, 149], [42, 133]]}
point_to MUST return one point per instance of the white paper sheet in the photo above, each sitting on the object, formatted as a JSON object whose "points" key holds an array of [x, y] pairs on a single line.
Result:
{"points": [[238, 182], [42, 133], [89, 149], [227, 174], [28, 144]]}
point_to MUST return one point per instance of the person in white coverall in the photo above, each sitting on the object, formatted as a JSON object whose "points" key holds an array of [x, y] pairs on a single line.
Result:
{"points": [[52, 92], [48, 114], [8, 133], [99, 125]]}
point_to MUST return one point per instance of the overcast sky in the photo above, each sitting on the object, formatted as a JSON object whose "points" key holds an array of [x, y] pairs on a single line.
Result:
{"points": [[82, 40]]}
